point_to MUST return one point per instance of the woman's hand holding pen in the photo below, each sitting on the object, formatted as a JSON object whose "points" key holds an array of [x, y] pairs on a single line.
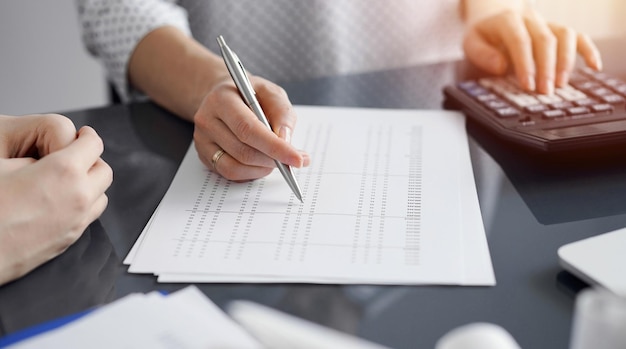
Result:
{"points": [[223, 122], [542, 54], [195, 84]]}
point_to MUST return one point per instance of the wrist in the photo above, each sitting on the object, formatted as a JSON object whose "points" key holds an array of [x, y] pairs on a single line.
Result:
{"points": [[187, 70]]}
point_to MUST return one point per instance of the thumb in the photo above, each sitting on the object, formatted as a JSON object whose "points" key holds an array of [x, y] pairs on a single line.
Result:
{"points": [[484, 55]]}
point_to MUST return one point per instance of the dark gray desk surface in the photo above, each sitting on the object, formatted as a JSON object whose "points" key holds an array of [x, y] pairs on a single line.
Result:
{"points": [[529, 210]]}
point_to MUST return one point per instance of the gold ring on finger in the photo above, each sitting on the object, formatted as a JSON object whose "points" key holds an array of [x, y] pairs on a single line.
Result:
{"points": [[216, 157]]}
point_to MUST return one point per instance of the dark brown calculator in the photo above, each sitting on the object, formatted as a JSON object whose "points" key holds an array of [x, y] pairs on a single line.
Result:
{"points": [[590, 111]]}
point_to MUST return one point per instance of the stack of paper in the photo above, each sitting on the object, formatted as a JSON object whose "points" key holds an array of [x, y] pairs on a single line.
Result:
{"points": [[188, 320], [185, 319], [388, 199]]}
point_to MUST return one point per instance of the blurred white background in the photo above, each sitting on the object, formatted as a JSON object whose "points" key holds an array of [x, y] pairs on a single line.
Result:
{"points": [[44, 67], [598, 18]]}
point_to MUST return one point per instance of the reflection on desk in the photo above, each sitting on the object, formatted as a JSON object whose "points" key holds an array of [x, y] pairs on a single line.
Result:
{"points": [[80, 278], [562, 187], [339, 308]]}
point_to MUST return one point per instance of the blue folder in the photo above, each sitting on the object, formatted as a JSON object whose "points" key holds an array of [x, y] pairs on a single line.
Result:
{"points": [[41, 328]]}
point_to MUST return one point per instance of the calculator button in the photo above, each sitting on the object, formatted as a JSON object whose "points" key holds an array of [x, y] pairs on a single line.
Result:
{"points": [[613, 99], [585, 102], [586, 85], [467, 85], [509, 89], [549, 99], [602, 107], [561, 105], [601, 91], [486, 98], [613, 82], [621, 89], [476, 91], [569, 93], [536, 109], [577, 110], [497, 104], [551, 114], [521, 99], [507, 112], [595, 74]]}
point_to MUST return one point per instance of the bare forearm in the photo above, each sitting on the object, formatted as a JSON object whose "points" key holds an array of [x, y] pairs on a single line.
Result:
{"points": [[174, 70], [475, 10]]}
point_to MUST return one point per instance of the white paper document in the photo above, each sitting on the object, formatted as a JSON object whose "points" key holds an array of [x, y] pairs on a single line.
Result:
{"points": [[389, 198], [184, 319]]}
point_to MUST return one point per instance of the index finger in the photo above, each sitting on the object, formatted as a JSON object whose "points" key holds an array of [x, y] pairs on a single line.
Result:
{"points": [[589, 52], [248, 129], [278, 109]]}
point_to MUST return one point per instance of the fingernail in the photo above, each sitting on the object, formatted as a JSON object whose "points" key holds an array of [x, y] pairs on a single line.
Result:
{"points": [[285, 133], [562, 78], [306, 159], [298, 163], [530, 82], [598, 61], [547, 86]]}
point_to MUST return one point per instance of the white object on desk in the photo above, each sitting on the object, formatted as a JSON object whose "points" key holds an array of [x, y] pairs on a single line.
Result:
{"points": [[598, 260], [277, 330], [477, 336], [389, 199], [599, 321]]}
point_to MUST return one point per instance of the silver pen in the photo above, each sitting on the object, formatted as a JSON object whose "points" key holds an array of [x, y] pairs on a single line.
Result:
{"points": [[238, 73]]}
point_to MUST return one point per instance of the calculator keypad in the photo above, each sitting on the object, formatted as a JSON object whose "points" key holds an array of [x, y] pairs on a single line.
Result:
{"points": [[589, 94], [590, 111]]}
